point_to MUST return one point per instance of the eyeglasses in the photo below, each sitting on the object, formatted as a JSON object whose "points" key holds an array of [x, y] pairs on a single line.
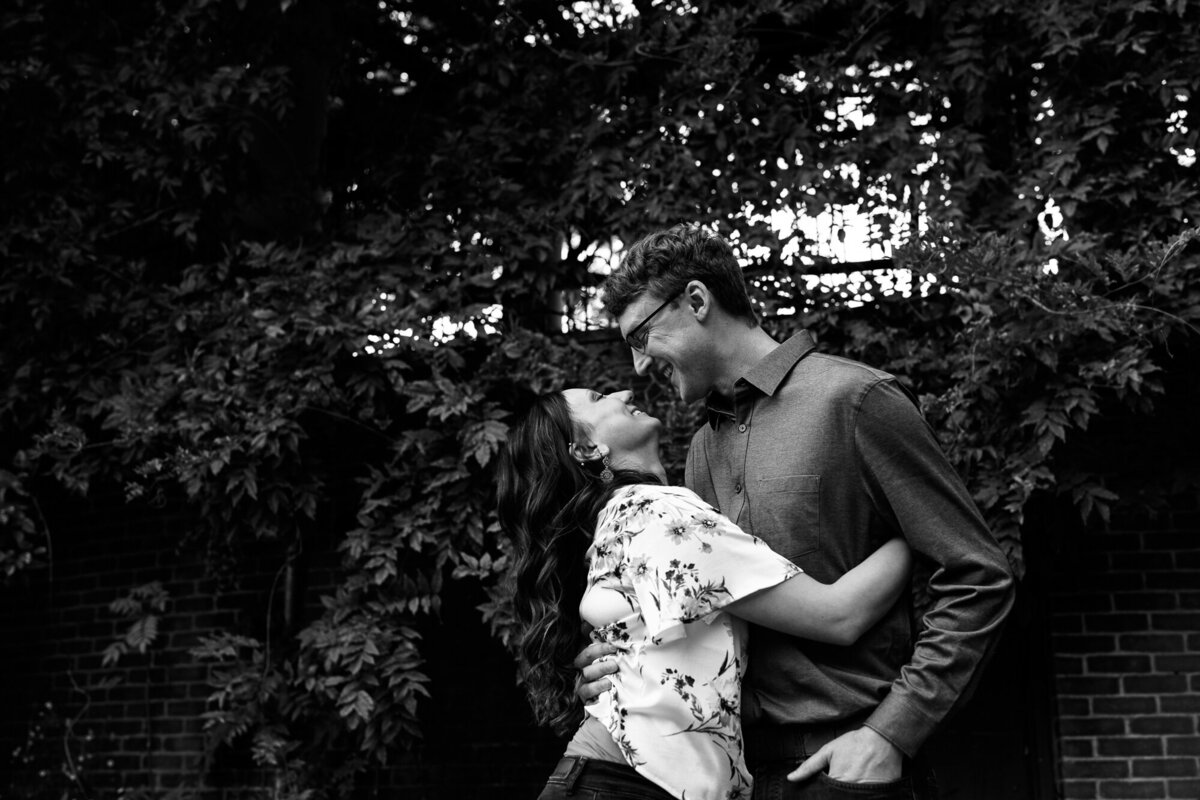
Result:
{"points": [[636, 338]]}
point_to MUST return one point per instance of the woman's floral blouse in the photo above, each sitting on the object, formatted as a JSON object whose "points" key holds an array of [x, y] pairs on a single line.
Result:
{"points": [[662, 566]]}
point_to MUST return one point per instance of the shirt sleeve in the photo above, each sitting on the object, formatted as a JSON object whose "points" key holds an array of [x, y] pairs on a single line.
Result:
{"points": [[971, 586], [686, 562]]}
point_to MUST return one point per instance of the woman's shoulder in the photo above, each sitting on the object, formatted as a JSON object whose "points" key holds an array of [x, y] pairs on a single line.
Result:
{"points": [[655, 499]]}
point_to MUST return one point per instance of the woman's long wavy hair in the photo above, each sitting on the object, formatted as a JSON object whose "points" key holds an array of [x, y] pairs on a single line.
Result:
{"points": [[548, 503]]}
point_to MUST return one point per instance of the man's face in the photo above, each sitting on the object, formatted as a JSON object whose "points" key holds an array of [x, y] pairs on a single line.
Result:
{"points": [[676, 344]]}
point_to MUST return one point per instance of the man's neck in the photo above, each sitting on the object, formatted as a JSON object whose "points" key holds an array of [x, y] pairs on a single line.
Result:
{"points": [[741, 349]]}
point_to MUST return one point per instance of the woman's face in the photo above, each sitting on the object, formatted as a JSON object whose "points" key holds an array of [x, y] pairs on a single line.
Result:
{"points": [[611, 420]]}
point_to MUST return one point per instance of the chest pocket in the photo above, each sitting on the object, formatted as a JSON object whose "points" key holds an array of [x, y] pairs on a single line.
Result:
{"points": [[785, 512]]}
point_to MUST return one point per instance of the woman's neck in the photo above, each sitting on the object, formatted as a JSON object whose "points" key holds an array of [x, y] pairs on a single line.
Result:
{"points": [[641, 461]]}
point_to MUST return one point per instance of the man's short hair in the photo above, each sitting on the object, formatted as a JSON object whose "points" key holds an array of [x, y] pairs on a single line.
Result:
{"points": [[663, 263]]}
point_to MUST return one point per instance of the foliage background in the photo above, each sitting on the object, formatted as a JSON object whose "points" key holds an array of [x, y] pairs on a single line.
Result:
{"points": [[259, 256]]}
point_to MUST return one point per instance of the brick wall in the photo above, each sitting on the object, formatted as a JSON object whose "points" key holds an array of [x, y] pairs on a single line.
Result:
{"points": [[136, 729], [1126, 642], [126, 728], [1126, 638]]}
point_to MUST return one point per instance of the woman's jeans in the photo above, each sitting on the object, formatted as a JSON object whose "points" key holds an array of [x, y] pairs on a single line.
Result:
{"points": [[577, 778]]}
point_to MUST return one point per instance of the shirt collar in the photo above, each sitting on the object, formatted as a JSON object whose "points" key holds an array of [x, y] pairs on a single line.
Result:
{"points": [[765, 376]]}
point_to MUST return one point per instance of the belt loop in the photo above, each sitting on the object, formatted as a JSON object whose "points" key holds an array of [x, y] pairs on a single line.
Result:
{"points": [[574, 773]]}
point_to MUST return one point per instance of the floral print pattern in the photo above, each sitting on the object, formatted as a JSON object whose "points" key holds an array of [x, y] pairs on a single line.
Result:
{"points": [[662, 567]]}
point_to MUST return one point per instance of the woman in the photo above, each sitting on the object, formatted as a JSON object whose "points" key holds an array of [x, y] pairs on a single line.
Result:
{"points": [[601, 539]]}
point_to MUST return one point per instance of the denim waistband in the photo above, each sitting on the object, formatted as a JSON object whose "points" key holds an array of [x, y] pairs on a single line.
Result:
{"points": [[793, 742], [579, 772]]}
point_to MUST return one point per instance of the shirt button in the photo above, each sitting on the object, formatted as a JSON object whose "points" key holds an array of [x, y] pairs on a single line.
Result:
{"points": [[737, 489], [742, 427]]}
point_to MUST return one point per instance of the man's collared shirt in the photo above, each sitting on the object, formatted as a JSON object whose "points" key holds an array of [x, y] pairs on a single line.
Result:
{"points": [[826, 459]]}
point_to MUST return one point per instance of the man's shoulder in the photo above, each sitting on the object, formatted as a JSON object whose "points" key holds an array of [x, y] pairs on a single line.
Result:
{"points": [[845, 368], [833, 376]]}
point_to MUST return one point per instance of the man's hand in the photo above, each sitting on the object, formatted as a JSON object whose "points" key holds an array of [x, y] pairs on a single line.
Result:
{"points": [[591, 682], [861, 756]]}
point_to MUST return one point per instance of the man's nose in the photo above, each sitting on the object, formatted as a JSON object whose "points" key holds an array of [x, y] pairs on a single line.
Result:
{"points": [[641, 362]]}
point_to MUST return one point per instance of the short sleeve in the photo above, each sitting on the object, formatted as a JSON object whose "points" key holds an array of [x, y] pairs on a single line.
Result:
{"points": [[686, 562]]}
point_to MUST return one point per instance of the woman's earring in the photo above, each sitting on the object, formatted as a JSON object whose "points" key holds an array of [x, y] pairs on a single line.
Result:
{"points": [[606, 474]]}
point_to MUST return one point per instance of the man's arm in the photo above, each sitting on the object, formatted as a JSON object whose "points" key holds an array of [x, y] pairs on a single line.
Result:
{"points": [[591, 682], [971, 588]]}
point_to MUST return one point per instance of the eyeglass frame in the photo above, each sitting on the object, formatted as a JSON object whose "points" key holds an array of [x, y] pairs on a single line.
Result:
{"points": [[638, 345]]}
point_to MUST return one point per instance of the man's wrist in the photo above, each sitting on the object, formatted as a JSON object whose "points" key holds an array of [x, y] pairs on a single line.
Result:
{"points": [[902, 725]]}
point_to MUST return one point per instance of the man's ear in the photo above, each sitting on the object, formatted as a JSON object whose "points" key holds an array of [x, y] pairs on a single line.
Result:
{"points": [[699, 300]]}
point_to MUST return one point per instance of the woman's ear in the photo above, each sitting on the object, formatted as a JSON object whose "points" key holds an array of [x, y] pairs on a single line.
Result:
{"points": [[583, 452]]}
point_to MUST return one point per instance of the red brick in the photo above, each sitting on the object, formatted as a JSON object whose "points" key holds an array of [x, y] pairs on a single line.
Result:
{"points": [[1088, 685], [1131, 542], [1122, 582], [1092, 726], [1181, 703], [182, 744], [163, 762], [1181, 621], [1183, 790], [1118, 664], [185, 708], [199, 691], [1145, 561], [1130, 746], [1126, 706], [1154, 684], [1152, 642], [1068, 665], [1074, 706], [1094, 562], [168, 726], [1079, 790], [1078, 748], [1116, 623], [1182, 726], [1183, 663], [199, 602], [1132, 790], [1183, 745], [1173, 580], [1165, 768], [1085, 602], [1096, 768], [1146, 601], [1085, 644], [1171, 541]]}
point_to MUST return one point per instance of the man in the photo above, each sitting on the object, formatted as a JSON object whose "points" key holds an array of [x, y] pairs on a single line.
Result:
{"points": [[825, 459]]}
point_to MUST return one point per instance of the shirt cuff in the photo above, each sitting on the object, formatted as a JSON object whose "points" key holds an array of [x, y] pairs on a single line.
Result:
{"points": [[901, 723]]}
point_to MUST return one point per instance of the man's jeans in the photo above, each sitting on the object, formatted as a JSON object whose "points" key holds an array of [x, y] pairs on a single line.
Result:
{"points": [[774, 752]]}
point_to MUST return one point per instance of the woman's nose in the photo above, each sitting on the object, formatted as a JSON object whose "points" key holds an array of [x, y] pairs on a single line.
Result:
{"points": [[625, 395]]}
